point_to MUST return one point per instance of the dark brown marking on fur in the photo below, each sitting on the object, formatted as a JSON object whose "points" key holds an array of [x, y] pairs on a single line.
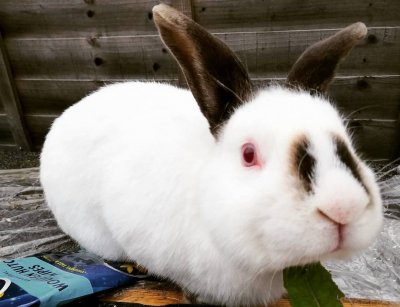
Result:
{"points": [[348, 159], [315, 68], [303, 162], [218, 80]]}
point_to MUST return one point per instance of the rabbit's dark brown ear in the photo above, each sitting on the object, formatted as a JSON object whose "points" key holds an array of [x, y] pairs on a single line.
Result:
{"points": [[315, 68], [215, 75]]}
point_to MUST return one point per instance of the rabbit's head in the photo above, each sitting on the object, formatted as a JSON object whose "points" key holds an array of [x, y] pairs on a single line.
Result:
{"points": [[284, 186]]}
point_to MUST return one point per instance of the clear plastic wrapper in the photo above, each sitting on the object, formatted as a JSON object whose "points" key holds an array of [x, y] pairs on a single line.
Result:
{"points": [[374, 274], [27, 226]]}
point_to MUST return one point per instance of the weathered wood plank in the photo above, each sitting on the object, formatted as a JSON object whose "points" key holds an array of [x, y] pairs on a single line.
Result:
{"points": [[292, 14], [134, 57], [74, 18], [266, 54], [362, 97], [42, 98], [8, 147], [374, 97], [39, 126], [346, 303], [368, 97], [58, 18], [9, 100], [375, 139], [51, 97], [6, 137], [151, 293], [155, 293], [274, 53]]}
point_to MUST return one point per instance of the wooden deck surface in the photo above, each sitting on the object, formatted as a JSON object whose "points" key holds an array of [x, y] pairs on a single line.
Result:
{"points": [[153, 293]]}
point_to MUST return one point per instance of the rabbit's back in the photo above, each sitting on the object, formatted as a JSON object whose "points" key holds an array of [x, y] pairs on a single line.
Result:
{"points": [[113, 152]]}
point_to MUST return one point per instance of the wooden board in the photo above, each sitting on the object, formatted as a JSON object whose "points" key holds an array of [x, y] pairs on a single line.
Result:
{"points": [[44, 100], [375, 129], [51, 97], [111, 57], [10, 101], [72, 18], [155, 293], [6, 137], [370, 97], [374, 97], [293, 14], [375, 139], [39, 126], [62, 50], [266, 54]]}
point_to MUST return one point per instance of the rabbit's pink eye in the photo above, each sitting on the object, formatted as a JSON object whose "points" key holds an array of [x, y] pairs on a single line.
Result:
{"points": [[249, 155]]}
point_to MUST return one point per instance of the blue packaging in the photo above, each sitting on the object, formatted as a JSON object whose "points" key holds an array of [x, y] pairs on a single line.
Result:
{"points": [[55, 279]]}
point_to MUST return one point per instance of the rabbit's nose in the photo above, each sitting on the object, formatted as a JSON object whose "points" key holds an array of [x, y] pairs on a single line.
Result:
{"points": [[337, 216], [343, 211], [341, 198]]}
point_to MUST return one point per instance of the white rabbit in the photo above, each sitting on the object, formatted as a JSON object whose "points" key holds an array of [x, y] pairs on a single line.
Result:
{"points": [[132, 171]]}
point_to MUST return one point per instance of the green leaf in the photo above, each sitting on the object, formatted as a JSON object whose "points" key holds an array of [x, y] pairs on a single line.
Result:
{"points": [[311, 286]]}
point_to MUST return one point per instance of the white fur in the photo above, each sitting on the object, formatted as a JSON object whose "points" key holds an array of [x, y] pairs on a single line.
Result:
{"points": [[132, 172]]}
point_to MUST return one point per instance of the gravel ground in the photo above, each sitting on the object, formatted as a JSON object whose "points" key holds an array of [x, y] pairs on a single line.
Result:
{"points": [[12, 159]]}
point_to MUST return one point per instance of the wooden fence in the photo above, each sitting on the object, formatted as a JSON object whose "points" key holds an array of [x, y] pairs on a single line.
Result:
{"points": [[54, 52]]}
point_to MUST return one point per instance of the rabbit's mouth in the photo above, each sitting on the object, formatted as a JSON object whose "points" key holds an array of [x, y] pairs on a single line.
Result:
{"points": [[350, 240], [338, 232], [340, 237]]}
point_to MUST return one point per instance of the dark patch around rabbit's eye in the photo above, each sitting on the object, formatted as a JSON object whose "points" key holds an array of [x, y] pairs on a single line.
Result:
{"points": [[347, 159], [304, 163]]}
